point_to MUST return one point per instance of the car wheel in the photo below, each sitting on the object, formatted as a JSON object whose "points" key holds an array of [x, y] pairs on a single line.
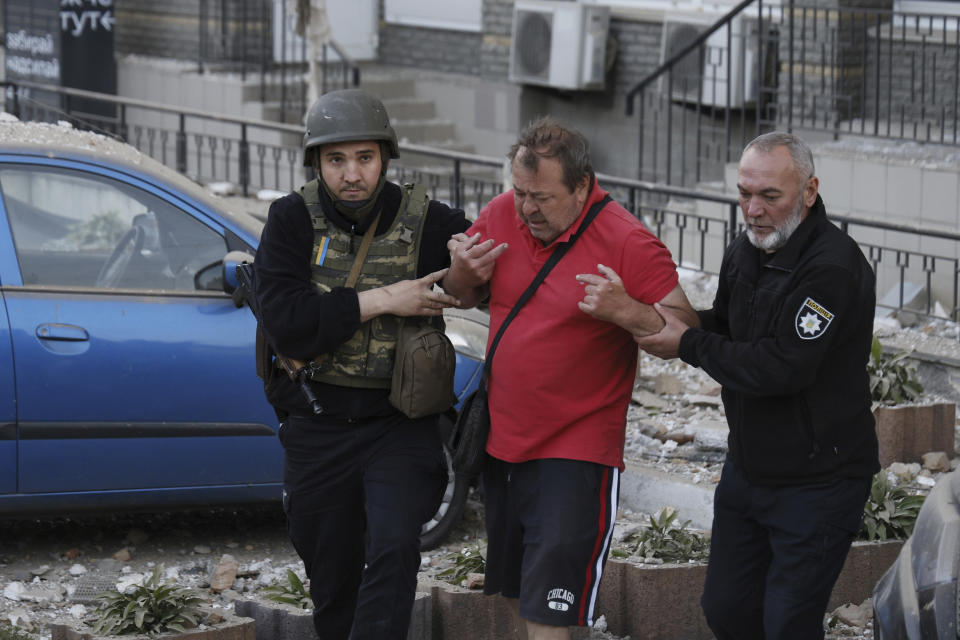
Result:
{"points": [[436, 530]]}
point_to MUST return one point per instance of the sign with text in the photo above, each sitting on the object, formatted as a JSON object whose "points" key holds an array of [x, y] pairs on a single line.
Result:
{"points": [[87, 62], [33, 40]]}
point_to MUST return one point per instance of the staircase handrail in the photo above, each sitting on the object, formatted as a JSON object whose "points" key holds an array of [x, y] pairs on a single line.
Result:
{"points": [[726, 19], [347, 60]]}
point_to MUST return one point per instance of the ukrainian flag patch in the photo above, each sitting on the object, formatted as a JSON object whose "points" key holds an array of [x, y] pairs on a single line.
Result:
{"points": [[322, 250], [812, 319]]}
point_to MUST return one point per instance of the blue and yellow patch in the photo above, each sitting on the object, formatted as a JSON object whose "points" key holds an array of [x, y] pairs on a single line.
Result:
{"points": [[321, 248]]}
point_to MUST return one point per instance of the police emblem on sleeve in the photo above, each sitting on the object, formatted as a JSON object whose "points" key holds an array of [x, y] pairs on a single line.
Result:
{"points": [[812, 319]]}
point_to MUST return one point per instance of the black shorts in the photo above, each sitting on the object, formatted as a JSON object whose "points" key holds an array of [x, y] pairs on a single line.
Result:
{"points": [[549, 524]]}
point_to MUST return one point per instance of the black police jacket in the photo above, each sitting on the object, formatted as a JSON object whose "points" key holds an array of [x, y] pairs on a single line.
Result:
{"points": [[788, 338]]}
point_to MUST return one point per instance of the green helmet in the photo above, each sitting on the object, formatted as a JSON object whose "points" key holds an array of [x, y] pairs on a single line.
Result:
{"points": [[347, 115]]}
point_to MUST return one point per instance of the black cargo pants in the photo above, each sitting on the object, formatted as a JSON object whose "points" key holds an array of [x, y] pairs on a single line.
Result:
{"points": [[356, 495]]}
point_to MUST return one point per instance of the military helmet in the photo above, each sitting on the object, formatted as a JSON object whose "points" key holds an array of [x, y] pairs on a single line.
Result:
{"points": [[347, 115]]}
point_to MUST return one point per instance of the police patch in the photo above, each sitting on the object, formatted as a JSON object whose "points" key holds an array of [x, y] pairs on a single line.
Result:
{"points": [[812, 320]]}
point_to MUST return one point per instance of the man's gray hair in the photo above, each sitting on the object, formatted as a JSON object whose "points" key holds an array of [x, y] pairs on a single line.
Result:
{"points": [[547, 137], [799, 151]]}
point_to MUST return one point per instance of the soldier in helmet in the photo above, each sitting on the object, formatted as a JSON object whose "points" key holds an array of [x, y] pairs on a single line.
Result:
{"points": [[360, 478]]}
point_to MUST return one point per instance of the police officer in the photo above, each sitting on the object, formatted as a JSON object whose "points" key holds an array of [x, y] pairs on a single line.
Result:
{"points": [[360, 478], [788, 338]]}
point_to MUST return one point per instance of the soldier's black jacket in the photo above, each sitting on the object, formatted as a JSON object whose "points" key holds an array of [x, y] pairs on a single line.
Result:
{"points": [[788, 338], [304, 322]]}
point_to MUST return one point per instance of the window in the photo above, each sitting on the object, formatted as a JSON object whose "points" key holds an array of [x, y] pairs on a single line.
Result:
{"points": [[935, 7], [459, 15], [76, 229]]}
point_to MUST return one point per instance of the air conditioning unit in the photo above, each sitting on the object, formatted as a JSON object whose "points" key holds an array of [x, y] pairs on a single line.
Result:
{"points": [[559, 44], [704, 74]]}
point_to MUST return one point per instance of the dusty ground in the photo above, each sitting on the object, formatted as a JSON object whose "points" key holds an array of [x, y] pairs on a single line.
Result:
{"points": [[44, 556]]}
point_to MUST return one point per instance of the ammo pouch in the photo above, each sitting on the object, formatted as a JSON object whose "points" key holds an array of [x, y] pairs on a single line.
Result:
{"points": [[423, 370]]}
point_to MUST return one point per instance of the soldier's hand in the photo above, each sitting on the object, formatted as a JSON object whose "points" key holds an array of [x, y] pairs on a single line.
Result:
{"points": [[407, 298]]}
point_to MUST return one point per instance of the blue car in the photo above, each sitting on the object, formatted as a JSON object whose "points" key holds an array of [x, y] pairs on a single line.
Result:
{"points": [[127, 375]]}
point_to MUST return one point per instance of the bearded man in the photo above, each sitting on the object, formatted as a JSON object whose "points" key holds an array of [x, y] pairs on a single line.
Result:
{"points": [[788, 338]]}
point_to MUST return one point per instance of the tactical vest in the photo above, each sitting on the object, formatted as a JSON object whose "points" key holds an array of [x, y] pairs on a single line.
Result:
{"points": [[366, 359]]}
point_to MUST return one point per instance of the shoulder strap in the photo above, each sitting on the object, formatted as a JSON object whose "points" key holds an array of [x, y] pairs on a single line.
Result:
{"points": [[554, 258], [417, 200], [362, 253], [310, 192]]}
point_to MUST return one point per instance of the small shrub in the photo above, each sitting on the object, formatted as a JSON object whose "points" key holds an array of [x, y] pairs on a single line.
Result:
{"points": [[292, 593], [10, 632], [893, 379], [466, 561], [154, 607], [890, 512], [667, 541]]}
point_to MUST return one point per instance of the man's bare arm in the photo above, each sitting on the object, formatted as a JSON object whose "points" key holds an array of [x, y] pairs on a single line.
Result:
{"points": [[676, 301], [664, 344]]}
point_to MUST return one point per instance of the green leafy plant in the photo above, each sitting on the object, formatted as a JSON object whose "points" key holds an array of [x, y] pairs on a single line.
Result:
{"points": [[893, 379], [890, 512], [10, 632], [663, 539], [465, 561], [154, 607], [292, 593]]}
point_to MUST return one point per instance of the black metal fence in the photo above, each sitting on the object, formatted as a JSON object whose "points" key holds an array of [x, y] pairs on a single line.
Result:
{"points": [[697, 225], [796, 66], [253, 154]]}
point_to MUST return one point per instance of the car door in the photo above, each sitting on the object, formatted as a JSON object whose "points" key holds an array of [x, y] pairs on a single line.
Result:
{"points": [[134, 369], [8, 409]]}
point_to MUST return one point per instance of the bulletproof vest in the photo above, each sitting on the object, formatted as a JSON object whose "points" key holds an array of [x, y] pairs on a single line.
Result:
{"points": [[366, 359]]}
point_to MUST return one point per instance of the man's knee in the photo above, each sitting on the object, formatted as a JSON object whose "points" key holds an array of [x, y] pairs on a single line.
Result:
{"points": [[537, 631]]}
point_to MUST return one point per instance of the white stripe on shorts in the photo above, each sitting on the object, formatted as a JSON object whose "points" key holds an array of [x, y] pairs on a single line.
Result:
{"points": [[614, 498]]}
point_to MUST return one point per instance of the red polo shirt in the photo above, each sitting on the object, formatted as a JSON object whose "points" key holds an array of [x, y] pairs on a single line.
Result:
{"points": [[561, 380]]}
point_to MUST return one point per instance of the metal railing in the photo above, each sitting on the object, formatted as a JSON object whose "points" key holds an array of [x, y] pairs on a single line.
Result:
{"points": [[794, 66], [257, 38], [696, 225], [253, 154]]}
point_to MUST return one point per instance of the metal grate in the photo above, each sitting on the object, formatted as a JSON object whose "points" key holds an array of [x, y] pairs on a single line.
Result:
{"points": [[90, 587]]}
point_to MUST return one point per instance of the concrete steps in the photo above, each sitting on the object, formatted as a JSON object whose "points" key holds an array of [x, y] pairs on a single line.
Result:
{"points": [[410, 109], [428, 132], [414, 119]]}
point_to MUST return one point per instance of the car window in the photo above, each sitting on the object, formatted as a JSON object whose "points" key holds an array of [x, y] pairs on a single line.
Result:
{"points": [[77, 229]]}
